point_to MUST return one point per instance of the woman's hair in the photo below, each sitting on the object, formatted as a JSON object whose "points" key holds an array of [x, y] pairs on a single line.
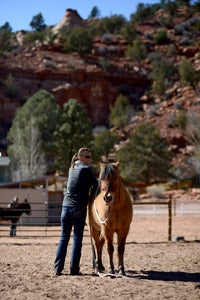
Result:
{"points": [[80, 152]]}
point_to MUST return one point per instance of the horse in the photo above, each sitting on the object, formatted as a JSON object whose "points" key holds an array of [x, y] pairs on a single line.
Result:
{"points": [[110, 212], [13, 214]]}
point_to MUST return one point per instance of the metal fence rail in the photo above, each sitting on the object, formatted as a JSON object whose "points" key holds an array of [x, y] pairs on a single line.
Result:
{"points": [[45, 222], [169, 204]]}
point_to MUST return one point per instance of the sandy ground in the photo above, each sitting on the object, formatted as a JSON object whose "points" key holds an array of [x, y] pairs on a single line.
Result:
{"points": [[155, 268]]}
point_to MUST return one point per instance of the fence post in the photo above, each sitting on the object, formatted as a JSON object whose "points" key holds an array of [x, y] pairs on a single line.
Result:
{"points": [[170, 219]]}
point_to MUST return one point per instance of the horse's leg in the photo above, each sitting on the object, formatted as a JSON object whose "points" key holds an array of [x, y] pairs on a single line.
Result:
{"points": [[110, 249], [97, 250], [121, 240], [12, 229], [93, 254]]}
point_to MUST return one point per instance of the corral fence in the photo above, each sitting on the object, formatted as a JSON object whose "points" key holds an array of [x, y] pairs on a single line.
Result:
{"points": [[45, 219], [169, 205]]}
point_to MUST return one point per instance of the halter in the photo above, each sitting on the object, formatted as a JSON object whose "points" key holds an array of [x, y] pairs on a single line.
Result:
{"points": [[108, 171], [99, 219]]}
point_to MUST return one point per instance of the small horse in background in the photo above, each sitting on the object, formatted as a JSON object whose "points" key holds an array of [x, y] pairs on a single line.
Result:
{"points": [[110, 212], [13, 214]]}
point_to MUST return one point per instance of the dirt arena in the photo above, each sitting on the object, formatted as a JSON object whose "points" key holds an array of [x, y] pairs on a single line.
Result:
{"points": [[155, 268]]}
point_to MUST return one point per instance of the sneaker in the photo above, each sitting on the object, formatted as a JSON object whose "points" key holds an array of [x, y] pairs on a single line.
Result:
{"points": [[75, 274]]}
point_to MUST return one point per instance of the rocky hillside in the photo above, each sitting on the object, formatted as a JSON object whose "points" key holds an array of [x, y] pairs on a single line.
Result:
{"points": [[96, 87]]}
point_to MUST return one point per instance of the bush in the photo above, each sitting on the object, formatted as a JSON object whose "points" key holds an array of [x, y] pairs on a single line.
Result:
{"points": [[111, 24], [128, 32], [137, 51], [32, 36], [11, 88], [121, 112], [162, 72], [156, 191], [189, 75], [104, 63], [181, 119], [160, 37], [144, 12], [171, 50], [79, 40]]}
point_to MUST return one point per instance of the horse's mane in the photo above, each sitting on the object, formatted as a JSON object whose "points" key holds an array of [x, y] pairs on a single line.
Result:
{"points": [[108, 170]]}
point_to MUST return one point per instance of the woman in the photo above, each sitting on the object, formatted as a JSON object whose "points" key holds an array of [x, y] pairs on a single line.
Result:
{"points": [[81, 185]]}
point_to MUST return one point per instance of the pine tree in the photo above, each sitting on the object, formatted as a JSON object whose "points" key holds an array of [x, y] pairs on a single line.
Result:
{"points": [[74, 131], [145, 157]]}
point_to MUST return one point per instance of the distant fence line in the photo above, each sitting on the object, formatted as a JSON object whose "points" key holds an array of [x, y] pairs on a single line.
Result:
{"points": [[49, 229], [169, 204]]}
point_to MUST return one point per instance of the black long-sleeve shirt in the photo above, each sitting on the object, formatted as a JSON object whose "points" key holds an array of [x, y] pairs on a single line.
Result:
{"points": [[81, 181]]}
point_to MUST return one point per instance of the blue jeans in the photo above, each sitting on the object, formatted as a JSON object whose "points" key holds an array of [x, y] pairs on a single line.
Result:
{"points": [[70, 216]]}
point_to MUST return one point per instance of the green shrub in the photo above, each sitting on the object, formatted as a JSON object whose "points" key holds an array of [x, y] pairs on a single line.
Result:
{"points": [[11, 88], [137, 51], [160, 37], [121, 112], [181, 119], [128, 32], [79, 40], [104, 63], [112, 24], [144, 12], [189, 75], [162, 72], [32, 36]]}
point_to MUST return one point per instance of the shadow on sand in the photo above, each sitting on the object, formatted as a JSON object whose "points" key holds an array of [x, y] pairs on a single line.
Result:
{"points": [[166, 276]]}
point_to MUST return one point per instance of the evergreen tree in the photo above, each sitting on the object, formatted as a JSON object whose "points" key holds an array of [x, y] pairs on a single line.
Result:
{"points": [[5, 38], [38, 23], [94, 12], [145, 157], [104, 142], [121, 112], [74, 131], [41, 108]]}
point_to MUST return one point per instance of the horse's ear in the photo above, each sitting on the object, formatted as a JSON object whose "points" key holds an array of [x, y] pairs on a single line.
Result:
{"points": [[25, 200], [117, 164], [102, 163]]}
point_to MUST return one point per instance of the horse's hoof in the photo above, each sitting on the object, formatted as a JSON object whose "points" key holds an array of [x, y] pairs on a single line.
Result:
{"points": [[122, 273], [101, 268], [96, 272]]}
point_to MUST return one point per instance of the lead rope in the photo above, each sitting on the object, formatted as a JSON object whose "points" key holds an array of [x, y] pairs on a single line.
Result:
{"points": [[91, 241], [113, 275]]}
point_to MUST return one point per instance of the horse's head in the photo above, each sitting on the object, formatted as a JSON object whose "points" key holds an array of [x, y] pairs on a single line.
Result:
{"points": [[109, 176], [27, 207]]}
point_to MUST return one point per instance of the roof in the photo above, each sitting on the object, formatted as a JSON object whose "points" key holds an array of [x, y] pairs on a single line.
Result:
{"points": [[44, 181], [4, 161]]}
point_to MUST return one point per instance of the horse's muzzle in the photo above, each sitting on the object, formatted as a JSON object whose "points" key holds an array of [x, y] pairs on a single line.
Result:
{"points": [[107, 198]]}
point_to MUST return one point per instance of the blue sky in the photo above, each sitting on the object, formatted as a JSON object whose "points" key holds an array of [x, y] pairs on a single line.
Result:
{"points": [[19, 13]]}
